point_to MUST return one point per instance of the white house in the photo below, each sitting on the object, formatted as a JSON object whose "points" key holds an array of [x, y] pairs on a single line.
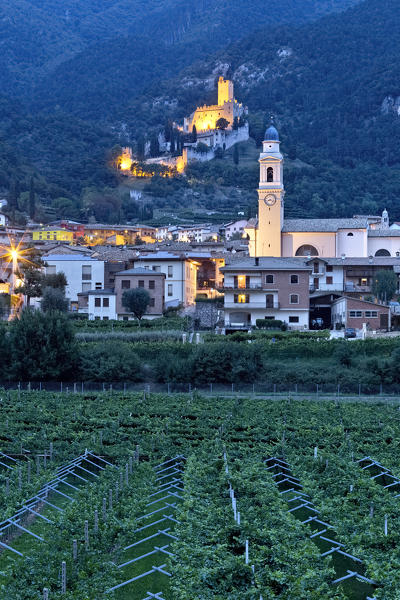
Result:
{"points": [[83, 273], [235, 227], [180, 275]]}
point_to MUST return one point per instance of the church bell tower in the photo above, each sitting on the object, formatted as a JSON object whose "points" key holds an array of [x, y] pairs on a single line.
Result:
{"points": [[265, 239]]}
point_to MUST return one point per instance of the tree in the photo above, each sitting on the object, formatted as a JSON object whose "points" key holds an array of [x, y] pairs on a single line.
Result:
{"points": [[222, 124], [172, 140], [385, 285], [136, 301], [32, 199], [236, 156], [194, 134], [141, 147], [235, 125], [32, 283], [55, 280], [202, 148], [43, 346], [53, 299], [154, 146]]}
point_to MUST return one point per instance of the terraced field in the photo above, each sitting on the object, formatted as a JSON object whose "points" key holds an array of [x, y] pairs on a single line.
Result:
{"points": [[178, 497]]}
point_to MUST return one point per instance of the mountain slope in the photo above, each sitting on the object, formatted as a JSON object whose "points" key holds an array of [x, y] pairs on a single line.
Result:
{"points": [[131, 47]]}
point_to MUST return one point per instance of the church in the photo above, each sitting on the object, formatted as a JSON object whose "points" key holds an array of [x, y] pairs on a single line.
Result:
{"points": [[273, 235]]}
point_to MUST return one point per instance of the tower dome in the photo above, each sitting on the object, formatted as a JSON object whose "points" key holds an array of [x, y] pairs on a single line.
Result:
{"points": [[271, 133]]}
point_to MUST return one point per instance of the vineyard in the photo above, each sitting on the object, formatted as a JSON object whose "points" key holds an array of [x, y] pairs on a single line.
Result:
{"points": [[138, 496]]}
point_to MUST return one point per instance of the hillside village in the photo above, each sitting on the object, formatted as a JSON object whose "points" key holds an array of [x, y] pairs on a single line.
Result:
{"points": [[297, 273]]}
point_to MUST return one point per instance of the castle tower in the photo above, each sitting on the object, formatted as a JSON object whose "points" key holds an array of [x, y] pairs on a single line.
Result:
{"points": [[265, 238], [225, 91]]}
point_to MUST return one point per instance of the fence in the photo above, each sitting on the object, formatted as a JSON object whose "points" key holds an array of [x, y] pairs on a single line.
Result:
{"points": [[278, 390]]}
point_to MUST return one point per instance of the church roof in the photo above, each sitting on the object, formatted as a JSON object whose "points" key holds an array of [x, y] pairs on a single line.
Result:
{"points": [[273, 263], [384, 232], [324, 225], [271, 134]]}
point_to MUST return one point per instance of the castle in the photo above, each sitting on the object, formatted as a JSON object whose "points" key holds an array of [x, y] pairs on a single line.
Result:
{"points": [[205, 118], [273, 235]]}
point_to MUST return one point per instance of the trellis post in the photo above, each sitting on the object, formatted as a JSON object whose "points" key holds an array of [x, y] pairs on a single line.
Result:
{"points": [[96, 521], [386, 525], [126, 474], [45, 594], [19, 478], [104, 509], [7, 486], [110, 499], [37, 464], [246, 556], [86, 535], [74, 549], [131, 465], [63, 577]]}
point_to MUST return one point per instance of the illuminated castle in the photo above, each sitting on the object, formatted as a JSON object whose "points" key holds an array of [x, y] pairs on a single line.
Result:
{"points": [[205, 118]]}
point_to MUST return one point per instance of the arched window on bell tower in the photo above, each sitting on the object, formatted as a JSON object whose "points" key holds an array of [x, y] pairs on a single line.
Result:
{"points": [[270, 174]]}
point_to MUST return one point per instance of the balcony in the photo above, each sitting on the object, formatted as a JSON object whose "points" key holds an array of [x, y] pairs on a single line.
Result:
{"points": [[232, 288], [351, 287], [250, 305]]}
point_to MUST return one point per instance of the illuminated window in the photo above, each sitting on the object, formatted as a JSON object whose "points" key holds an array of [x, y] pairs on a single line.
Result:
{"points": [[241, 281], [241, 298], [363, 281]]}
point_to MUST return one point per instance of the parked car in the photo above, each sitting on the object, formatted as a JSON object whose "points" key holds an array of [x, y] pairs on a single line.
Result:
{"points": [[350, 332]]}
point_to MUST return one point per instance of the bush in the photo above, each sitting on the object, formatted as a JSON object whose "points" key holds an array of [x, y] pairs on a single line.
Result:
{"points": [[269, 324], [109, 361]]}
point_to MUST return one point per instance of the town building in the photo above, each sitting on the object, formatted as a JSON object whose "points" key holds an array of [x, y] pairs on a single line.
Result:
{"points": [[266, 288], [234, 228], [180, 272], [273, 235], [83, 273], [152, 281], [52, 234], [98, 305], [353, 312]]}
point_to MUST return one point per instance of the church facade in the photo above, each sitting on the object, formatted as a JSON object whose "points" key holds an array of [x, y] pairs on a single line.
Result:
{"points": [[273, 235]]}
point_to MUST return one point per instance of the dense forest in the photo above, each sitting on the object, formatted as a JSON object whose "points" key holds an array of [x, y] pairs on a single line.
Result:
{"points": [[99, 76]]}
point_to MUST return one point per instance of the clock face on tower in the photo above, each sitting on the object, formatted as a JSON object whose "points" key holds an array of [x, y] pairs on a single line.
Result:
{"points": [[270, 199]]}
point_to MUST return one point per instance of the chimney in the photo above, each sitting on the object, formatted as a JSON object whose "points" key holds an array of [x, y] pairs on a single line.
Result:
{"points": [[257, 261]]}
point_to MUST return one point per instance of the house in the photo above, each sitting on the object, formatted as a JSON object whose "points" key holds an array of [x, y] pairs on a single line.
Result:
{"points": [[150, 280], [52, 234], [180, 272], [266, 288], [234, 228], [353, 312], [99, 305], [83, 273]]}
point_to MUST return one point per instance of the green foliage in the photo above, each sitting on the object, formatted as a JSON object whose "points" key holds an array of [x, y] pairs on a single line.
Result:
{"points": [[53, 299], [222, 124], [109, 361], [42, 346], [268, 323], [136, 301], [384, 285]]}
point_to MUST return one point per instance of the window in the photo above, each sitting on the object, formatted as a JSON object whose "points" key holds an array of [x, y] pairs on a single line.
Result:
{"points": [[350, 234], [241, 298], [125, 318], [141, 283], [86, 286], [156, 269], [50, 270], [170, 289], [316, 267], [98, 285], [269, 279], [355, 313], [329, 280], [294, 298], [97, 301], [86, 272], [170, 271], [152, 284], [152, 302], [105, 318], [372, 314], [293, 319], [270, 174], [97, 318], [294, 279], [364, 281], [329, 268], [306, 250], [382, 252], [106, 302], [126, 284], [269, 301]]}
